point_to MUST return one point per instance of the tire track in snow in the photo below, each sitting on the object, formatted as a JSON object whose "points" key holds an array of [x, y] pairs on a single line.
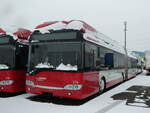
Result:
{"points": [[109, 107]]}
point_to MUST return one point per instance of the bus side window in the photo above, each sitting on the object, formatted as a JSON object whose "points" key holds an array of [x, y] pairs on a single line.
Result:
{"points": [[106, 57], [89, 57], [109, 60], [118, 62]]}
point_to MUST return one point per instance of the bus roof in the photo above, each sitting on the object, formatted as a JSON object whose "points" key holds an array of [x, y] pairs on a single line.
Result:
{"points": [[89, 33], [19, 34], [58, 25]]}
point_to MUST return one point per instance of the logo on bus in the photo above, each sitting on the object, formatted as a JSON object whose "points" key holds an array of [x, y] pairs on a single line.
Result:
{"points": [[41, 78]]}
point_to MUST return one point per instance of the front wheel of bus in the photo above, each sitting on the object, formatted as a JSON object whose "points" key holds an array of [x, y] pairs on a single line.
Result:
{"points": [[102, 85]]}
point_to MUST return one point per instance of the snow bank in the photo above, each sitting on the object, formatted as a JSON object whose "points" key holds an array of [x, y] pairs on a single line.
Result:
{"points": [[3, 66], [67, 67]]}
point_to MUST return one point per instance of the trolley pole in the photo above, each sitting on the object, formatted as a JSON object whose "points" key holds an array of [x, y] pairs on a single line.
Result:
{"points": [[126, 53]]}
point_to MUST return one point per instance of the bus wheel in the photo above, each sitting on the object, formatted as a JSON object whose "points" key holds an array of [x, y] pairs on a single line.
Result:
{"points": [[102, 85]]}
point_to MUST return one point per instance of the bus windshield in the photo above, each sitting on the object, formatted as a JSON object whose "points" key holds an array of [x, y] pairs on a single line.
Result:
{"points": [[62, 56], [7, 53]]}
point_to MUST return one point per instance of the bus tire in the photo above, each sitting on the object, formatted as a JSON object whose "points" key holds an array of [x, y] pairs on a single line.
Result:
{"points": [[102, 85]]}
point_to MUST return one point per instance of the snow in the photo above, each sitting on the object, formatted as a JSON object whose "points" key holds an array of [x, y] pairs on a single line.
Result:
{"points": [[78, 25], [57, 26], [61, 66], [100, 104], [3, 66], [44, 65], [67, 67]]}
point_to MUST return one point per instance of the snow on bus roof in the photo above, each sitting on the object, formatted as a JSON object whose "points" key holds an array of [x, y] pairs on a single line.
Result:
{"points": [[22, 33], [89, 33], [58, 25], [2, 31], [18, 33], [10, 30]]}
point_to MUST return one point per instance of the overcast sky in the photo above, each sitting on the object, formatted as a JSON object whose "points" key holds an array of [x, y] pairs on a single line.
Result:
{"points": [[107, 16]]}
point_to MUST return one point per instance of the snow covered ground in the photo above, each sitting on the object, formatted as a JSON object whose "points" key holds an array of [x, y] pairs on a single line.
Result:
{"points": [[131, 96]]}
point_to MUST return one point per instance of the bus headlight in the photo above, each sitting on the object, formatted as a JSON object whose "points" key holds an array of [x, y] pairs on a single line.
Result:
{"points": [[73, 87], [29, 83], [6, 82]]}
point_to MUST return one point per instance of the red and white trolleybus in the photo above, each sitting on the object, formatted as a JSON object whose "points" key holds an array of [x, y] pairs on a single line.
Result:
{"points": [[73, 60], [13, 60]]}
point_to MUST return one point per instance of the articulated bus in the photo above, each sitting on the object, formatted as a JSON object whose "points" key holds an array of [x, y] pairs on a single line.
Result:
{"points": [[13, 61], [73, 60]]}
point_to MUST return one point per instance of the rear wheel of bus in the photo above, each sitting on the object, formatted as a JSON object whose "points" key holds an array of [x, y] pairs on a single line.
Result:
{"points": [[102, 85]]}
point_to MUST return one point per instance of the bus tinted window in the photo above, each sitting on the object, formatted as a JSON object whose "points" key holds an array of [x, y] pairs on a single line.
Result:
{"points": [[54, 36], [91, 59], [4, 40], [7, 54]]}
